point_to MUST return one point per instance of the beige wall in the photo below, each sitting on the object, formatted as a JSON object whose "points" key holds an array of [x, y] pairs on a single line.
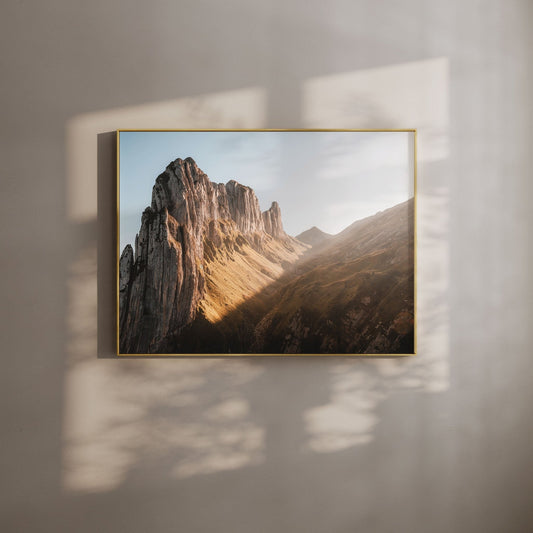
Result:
{"points": [[436, 443]]}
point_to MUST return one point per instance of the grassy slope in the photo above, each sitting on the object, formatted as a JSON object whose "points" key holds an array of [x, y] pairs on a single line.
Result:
{"points": [[355, 296], [239, 268]]}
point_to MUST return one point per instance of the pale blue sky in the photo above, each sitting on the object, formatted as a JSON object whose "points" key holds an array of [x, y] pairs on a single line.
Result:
{"points": [[323, 179]]}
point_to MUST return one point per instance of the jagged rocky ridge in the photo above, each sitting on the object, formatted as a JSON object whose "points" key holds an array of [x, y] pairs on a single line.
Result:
{"points": [[191, 231]]}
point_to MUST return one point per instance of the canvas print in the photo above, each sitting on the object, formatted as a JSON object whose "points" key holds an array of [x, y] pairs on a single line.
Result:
{"points": [[266, 242]]}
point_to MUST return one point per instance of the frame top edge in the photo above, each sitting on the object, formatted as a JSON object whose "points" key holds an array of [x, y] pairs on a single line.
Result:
{"points": [[325, 130]]}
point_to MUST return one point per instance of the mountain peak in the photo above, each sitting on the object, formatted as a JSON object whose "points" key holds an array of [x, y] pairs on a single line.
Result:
{"points": [[190, 221], [313, 236], [180, 162]]}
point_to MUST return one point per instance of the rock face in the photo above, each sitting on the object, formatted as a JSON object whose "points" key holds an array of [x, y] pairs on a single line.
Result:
{"points": [[163, 284], [272, 221]]}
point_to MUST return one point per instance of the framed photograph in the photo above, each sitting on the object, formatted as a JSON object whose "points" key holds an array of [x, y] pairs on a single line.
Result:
{"points": [[266, 242]]}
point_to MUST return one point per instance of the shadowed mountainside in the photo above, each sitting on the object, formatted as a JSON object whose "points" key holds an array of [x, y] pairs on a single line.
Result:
{"points": [[355, 295]]}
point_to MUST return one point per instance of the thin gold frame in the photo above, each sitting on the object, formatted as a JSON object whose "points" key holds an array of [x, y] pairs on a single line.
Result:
{"points": [[193, 355]]}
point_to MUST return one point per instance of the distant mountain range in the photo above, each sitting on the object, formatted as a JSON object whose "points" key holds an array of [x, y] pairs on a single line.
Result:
{"points": [[211, 273]]}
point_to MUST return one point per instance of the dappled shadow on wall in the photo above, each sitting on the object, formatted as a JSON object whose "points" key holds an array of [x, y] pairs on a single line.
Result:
{"points": [[411, 95], [150, 422], [121, 413]]}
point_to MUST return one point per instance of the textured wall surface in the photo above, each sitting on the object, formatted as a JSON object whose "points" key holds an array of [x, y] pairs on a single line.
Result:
{"points": [[436, 443]]}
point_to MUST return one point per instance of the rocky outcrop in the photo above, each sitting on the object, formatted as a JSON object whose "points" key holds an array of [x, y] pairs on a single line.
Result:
{"points": [[190, 218], [192, 199], [272, 221], [243, 207], [160, 276], [125, 273]]}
